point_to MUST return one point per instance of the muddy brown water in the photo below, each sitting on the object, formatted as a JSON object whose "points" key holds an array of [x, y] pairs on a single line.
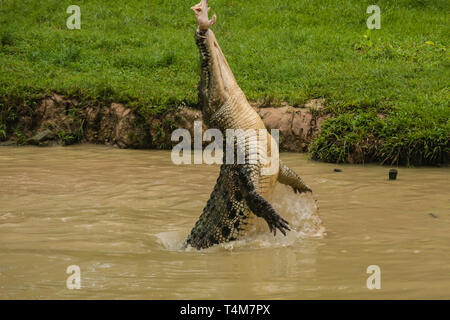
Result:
{"points": [[120, 216]]}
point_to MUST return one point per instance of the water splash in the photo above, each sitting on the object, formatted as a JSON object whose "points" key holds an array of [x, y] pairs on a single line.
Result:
{"points": [[301, 211], [171, 240]]}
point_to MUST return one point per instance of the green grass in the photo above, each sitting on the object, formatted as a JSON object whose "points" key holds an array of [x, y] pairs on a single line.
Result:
{"points": [[142, 53]]}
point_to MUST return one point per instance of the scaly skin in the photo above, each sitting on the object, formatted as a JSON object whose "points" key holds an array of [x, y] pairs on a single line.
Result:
{"points": [[242, 193]]}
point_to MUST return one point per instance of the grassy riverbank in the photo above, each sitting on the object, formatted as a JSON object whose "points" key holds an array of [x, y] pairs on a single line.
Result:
{"points": [[387, 90]]}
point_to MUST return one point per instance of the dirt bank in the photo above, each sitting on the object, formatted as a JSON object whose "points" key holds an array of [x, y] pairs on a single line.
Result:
{"points": [[58, 120]]}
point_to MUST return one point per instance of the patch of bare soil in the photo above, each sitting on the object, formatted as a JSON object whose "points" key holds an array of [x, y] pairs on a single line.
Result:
{"points": [[57, 120]]}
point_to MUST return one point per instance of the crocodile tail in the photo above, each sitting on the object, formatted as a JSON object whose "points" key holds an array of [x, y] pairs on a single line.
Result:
{"points": [[224, 217]]}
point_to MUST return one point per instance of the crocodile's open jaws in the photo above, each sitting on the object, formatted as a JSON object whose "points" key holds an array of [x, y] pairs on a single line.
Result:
{"points": [[242, 193]]}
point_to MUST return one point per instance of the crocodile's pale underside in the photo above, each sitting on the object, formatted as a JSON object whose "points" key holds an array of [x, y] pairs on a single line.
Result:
{"points": [[242, 193]]}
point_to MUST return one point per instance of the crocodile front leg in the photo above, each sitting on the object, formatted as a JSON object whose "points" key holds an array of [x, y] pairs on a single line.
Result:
{"points": [[258, 205], [288, 177]]}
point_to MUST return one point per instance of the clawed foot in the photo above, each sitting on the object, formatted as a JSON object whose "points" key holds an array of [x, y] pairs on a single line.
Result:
{"points": [[275, 221], [260, 206], [201, 13], [301, 190]]}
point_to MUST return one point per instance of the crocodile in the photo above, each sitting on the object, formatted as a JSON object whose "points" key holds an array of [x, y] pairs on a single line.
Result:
{"points": [[243, 191]]}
